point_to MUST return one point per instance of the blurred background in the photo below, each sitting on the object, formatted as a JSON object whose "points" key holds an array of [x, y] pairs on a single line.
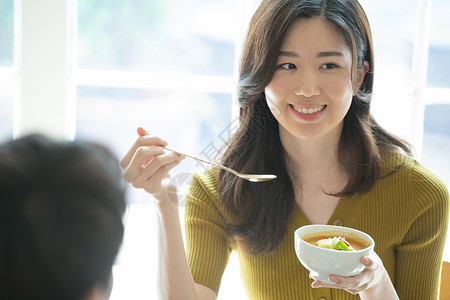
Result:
{"points": [[98, 69]]}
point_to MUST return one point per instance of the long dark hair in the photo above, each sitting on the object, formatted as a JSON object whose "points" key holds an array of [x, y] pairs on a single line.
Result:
{"points": [[265, 208]]}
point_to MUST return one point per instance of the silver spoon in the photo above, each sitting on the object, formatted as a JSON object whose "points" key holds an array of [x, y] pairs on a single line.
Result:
{"points": [[249, 177]]}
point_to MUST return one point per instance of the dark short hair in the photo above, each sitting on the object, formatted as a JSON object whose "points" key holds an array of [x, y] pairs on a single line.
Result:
{"points": [[61, 209]]}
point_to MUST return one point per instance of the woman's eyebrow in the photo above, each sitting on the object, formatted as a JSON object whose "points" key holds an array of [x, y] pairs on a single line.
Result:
{"points": [[329, 53], [288, 54], [318, 55]]}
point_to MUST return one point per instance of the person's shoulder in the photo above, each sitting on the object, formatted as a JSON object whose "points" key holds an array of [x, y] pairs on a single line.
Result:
{"points": [[206, 177], [427, 183], [393, 160], [204, 182], [421, 180]]}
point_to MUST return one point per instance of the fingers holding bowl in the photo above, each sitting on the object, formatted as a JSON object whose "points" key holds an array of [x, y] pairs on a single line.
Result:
{"points": [[353, 284]]}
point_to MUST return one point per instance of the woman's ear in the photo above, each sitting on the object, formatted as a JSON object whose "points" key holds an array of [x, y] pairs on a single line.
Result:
{"points": [[362, 73]]}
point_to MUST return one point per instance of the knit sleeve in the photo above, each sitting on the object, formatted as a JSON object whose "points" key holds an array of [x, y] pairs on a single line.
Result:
{"points": [[207, 245], [418, 258]]}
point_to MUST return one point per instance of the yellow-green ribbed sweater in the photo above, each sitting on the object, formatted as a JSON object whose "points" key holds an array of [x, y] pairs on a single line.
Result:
{"points": [[406, 213]]}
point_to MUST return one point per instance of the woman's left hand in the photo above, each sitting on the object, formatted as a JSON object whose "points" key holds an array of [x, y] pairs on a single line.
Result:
{"points": [[371, 277]]}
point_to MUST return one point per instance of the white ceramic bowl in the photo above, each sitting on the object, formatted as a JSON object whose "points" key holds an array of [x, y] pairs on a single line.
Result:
{"points": [[322, 262]]}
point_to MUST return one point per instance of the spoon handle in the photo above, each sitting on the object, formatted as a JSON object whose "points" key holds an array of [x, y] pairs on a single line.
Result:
{"points": [[205, 161]]}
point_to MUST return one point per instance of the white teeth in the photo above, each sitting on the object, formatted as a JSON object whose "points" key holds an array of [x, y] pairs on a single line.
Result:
{"points": [[309, 111]]}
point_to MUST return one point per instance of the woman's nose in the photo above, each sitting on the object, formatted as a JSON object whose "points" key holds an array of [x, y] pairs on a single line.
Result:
{"points": [[307, 85]]}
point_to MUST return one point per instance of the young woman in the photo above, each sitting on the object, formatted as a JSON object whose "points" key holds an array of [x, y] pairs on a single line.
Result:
{"points": [[305, 87]]}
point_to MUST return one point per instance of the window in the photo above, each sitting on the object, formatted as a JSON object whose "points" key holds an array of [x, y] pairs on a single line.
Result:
{"points": [[133, 62], [393, 63], [6, 111], [439, 46], [168, 67], [7, 76]]}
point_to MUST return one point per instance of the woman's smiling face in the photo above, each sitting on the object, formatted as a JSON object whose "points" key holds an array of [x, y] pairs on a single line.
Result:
{"points": [[311, 89]]}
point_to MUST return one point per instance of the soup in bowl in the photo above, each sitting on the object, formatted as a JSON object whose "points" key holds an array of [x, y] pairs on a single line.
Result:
{"points": [[329, 249]]}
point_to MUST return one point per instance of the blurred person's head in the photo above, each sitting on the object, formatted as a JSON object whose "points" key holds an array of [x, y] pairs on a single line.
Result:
{"points": [[61, 209]]}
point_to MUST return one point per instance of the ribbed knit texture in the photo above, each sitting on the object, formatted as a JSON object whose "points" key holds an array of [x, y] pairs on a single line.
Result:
{"points": [[406, 213]]}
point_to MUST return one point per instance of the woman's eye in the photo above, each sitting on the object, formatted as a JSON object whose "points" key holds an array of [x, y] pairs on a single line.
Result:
{"points": [[329, 66], [287, 66]]}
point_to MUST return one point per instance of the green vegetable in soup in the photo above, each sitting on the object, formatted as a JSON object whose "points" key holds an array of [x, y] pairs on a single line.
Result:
{"points": [[336, 243]]}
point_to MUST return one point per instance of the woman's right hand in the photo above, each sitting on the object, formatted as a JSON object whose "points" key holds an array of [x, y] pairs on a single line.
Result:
{"points": [[146, 165]]}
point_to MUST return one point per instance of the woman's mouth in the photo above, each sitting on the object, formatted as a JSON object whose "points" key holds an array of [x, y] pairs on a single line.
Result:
{"points": [[308, 111]]}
